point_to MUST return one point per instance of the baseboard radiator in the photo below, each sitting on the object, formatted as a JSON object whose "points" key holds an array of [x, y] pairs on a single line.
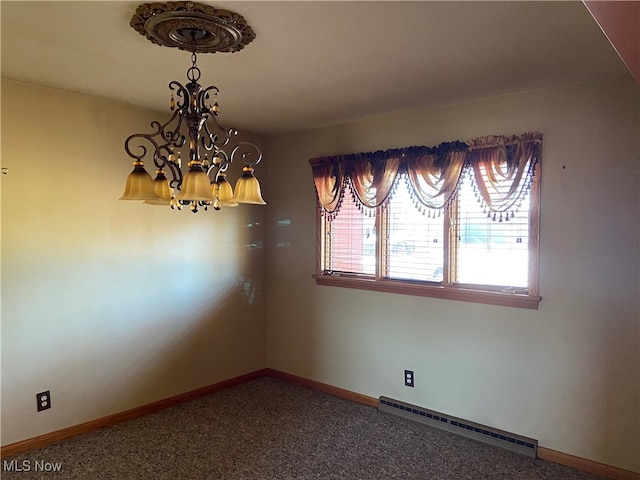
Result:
{"points": [[499, 438]]}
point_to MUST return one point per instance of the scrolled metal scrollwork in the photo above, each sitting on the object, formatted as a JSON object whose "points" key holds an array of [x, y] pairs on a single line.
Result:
{"points": [[248, 152], [204, 131], [171, 138]]}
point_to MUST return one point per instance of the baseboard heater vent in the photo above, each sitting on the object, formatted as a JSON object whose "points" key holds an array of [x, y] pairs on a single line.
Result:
{"points": [[499, 438]]}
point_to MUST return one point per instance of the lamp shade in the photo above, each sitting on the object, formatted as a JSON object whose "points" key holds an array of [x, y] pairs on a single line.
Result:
{"points": [[162, 189], [221, 189], [248, 189], [139, 184], [195, 185]]}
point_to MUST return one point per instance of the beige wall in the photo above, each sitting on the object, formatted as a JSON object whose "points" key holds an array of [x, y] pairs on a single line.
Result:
{"points": [[567, 374], [109, 305], [112, 304]]}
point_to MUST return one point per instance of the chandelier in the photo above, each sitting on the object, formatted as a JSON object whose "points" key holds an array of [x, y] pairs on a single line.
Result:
{"points": [[196, 28]]}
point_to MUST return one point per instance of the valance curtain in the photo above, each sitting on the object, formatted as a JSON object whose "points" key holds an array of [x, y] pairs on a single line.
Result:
{"points": [[500, 168]]}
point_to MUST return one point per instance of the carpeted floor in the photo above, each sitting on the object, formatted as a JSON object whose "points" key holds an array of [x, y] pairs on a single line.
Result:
{"points": [[268, 429]]}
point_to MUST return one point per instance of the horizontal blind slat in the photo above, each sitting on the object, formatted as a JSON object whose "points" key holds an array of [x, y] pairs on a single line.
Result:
{"points": [[415, 240], [491, 252], [350, 240]]}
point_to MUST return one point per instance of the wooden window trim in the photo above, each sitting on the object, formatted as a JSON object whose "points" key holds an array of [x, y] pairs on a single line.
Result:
{"points": [[453, 292]]}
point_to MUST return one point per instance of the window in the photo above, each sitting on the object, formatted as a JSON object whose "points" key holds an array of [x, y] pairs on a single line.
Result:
{"points": [[458, 221]]}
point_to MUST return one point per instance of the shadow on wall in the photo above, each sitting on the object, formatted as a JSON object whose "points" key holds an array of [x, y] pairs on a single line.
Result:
{"points": [[214, 331], [107, 331]]}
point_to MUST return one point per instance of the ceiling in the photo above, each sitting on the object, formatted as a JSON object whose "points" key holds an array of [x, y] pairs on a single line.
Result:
{"points": [[314, 64]]}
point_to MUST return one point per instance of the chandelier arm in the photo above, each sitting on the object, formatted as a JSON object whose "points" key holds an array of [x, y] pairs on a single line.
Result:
{"points": [[176, 175], [223, 165], [246, 150], [223, 168], [231, 133], [141, 147], [209, 140], [172, 135], [181, 91], [161, 151], [149, 138], [204, 96], [208, 146], [216, 133]]}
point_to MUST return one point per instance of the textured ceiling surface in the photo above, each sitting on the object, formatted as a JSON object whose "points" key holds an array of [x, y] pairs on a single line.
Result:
{"points": [[315, 63]]}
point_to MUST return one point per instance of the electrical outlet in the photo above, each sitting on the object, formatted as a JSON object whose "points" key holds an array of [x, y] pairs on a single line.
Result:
{"points": [[408, 378], [44, 400]]}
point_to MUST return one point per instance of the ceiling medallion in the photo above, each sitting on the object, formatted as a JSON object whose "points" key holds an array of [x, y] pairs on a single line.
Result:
{"points": [[192, 26]]}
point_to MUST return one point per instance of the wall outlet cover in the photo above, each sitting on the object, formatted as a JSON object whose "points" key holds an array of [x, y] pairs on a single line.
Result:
{"points": [[408, 378], [44, 400]]}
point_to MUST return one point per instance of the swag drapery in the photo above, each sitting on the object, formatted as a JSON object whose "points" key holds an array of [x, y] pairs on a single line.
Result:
{"points": [[500, 168]]}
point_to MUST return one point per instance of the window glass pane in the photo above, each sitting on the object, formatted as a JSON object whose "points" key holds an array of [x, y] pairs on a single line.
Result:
{"points": [[491, 252], [414, 249], [350, 243]]}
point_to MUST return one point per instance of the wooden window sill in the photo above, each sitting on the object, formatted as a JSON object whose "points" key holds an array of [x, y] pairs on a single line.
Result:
{"points": [[426, 290]]}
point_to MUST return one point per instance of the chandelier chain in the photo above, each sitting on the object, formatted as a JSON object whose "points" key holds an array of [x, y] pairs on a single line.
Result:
{"points": [[193, 73]]}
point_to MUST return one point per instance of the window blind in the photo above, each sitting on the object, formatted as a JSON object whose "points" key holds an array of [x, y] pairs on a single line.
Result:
{"points": [[414, 247], [492, 249], [350, 241]]}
